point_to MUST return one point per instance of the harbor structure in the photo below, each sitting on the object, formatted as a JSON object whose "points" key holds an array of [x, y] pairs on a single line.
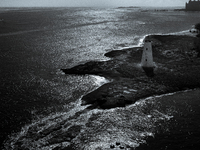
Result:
{"points": [[192, 5]]}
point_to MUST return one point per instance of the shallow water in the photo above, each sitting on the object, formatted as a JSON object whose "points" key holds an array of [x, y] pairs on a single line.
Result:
{"points": [[35, 43]]}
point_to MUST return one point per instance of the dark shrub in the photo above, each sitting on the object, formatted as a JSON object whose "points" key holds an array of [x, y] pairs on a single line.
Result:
{"points": [[197, 42], [197, 46], [197, 26]]}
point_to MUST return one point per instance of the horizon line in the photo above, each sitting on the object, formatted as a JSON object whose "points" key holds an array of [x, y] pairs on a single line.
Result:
{"points": [[84, 6]]}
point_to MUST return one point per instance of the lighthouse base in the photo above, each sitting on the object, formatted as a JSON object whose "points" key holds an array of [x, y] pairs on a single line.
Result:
{"points": [[149, 71]]}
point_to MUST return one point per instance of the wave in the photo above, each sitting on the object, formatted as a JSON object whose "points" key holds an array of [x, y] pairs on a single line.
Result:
{"points": [[96, 128], [19, 32], [100, 80], [141, 39], [184, 32]]}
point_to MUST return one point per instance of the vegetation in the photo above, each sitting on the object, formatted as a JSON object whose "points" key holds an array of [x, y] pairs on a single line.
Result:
{"points": [[197, 26], [197, 42]]}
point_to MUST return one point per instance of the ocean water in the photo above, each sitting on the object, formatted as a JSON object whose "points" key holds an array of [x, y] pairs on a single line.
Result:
{"points": [[35, 43]]}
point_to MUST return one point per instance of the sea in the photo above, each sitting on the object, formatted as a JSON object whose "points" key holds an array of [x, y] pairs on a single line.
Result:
{"points": [[35, 43]]}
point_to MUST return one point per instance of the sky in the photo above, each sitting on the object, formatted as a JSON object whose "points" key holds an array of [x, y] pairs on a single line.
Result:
{"points": [[90, 3]]}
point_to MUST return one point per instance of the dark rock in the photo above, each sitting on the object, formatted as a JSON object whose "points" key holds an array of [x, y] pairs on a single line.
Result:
{"points": [[117, 143], [115, 53], [149, 71], [121, 147], [49, 130], [55, 140], [112, 146], [65, 136]]}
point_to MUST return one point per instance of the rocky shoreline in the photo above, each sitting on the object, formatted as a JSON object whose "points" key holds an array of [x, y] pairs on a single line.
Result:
{"points": [[176, 68]]}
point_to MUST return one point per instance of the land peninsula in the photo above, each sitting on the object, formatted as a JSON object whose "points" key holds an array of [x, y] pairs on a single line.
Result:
{"points": [[177, 67]]}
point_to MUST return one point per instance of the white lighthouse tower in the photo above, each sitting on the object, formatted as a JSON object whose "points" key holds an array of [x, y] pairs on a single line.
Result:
{"points": [[147, 56]]}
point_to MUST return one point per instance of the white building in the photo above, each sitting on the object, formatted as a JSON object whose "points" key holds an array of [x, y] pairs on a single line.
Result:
{"points": [[147, 56]]}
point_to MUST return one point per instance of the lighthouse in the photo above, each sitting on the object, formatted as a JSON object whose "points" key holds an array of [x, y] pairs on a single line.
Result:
{"points": [[147, 58]]}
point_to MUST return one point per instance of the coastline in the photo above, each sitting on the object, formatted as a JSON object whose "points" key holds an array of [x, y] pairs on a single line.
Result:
{"points": [[183, 128], [42, 108], [176, 69]]}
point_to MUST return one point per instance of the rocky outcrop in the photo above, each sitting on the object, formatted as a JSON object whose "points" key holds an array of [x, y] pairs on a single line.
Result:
{"points": [[176, 68]]}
